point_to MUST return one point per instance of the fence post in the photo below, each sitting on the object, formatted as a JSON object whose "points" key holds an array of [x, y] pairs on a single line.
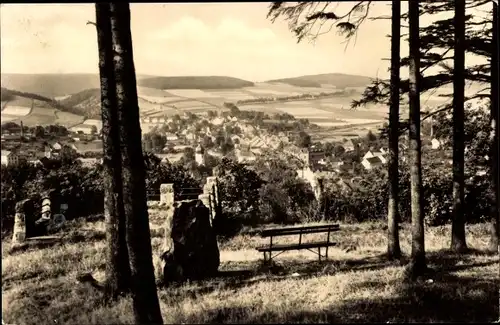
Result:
{"points": [[167, 195], [209, 191]]}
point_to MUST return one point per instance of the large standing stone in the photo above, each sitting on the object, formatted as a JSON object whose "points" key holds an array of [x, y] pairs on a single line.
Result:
{"points": [[192, 251], [205, 199]]}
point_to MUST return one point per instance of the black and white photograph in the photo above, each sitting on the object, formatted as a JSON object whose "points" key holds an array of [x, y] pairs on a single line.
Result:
{"points": [[308, 162]]}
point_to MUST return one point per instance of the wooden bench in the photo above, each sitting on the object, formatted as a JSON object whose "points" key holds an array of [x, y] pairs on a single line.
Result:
{"points": [[288, 231]]}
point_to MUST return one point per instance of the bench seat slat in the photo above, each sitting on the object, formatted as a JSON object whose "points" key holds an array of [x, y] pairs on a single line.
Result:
{"points": [[297, 231], [287, 247]]}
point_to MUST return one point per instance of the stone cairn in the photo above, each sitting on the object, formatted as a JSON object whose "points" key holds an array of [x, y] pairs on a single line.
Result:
{"points": [[190, 245], [50, 221]]}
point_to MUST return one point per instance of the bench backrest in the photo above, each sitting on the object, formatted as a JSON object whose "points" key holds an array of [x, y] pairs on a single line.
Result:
{"points": [[299, 230]]}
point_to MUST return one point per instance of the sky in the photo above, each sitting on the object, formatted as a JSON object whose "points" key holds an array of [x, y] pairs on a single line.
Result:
{"points": [[231, 39]]}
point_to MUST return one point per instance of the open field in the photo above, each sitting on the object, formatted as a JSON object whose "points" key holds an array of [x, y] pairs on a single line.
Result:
{"points": [[68, 119], [97, 123], [232, 95], [338, 80], [304, 111], [166, 113], [191, 103], [153, 92], [160, 100], [190, 93], [9, 118], [16, 110], [337, 131], [37, 116], [356, 284]]}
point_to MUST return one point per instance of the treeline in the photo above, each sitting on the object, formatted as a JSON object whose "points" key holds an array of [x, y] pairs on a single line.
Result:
{"points": [[194, 82], [38, 131], [262, 100]]}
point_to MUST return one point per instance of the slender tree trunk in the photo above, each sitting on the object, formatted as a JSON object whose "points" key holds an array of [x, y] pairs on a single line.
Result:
{"points": [[117, 262], [393, 247], [495, 113], [143, 286], [458, 243], [417, 264]]}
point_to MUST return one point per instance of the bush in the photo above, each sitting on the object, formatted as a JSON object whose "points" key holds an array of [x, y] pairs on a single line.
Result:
{"points": [[80, 187]]}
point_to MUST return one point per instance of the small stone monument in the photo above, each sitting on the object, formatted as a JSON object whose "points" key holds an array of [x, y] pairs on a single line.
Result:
{"points": [[23, 221]]}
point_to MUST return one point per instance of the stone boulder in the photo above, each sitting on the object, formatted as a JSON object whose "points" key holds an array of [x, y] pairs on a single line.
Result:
{"points": [[191, 250]]}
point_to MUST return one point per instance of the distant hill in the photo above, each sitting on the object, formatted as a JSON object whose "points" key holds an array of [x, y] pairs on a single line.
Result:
{"points": [[8, 95], [25, 99], [52, 85], [86, 102], [34, 109], [194, 82], [60, 84], [339, 80]]}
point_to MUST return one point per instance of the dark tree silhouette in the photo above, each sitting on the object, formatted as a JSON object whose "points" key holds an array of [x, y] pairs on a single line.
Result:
{"points": [[143, 287], [393, 247], [307, 19], [117, 262], [417, 264], [495, 113], [303, 140], [436, 44], [458, 243]]}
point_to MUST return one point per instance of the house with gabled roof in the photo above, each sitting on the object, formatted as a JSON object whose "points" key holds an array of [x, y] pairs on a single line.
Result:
{"points": [[349, 145], [91, 146], [9, 158], [371, 154], [372, 162]]}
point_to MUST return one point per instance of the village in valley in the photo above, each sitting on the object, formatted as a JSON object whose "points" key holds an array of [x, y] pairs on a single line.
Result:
{"points": [[192, 163], [201, 134]]}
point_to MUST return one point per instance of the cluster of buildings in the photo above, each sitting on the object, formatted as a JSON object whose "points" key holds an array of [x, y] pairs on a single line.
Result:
{"points": [[53, 150]]}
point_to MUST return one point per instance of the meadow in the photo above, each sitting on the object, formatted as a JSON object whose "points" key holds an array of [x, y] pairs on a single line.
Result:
{"points": [[97, 123], [356, 283]]}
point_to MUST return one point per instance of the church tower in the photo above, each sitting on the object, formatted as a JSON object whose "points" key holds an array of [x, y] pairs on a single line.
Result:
{"points": [[199, 155]]}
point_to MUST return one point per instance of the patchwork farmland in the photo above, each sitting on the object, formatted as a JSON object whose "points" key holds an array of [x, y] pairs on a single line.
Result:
{"points": [[332, 113], [163, 103]]}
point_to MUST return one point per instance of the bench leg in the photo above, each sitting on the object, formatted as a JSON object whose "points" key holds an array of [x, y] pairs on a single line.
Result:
{"points": [[267, 257], [319, 253]]}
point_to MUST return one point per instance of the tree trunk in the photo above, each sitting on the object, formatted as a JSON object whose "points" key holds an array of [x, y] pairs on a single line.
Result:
{"points": [[417, 264], [117, 262], [143, 286], [393, 247], [458, 243], [495, 113]]}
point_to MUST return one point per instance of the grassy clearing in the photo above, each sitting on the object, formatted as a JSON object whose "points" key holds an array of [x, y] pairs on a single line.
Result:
{"points": [[356, 284]]}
